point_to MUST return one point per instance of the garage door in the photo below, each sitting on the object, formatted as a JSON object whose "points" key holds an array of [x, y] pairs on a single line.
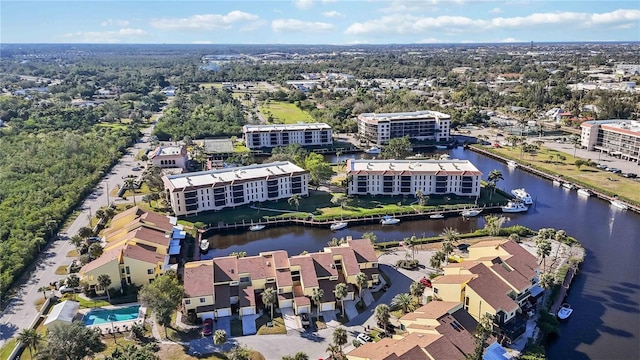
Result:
{"points": [[285, 303], [207, 315], [247, 311], [327, 307], [224, 312]]}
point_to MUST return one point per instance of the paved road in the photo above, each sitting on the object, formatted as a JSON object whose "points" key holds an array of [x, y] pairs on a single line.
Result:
{"points": [[20, 311]]}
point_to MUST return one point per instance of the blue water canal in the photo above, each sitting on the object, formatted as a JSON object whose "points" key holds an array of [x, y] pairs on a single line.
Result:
{"points": [[605, 295]]}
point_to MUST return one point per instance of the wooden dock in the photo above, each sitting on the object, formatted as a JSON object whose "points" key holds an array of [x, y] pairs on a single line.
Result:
{"points": [[564, 289]]}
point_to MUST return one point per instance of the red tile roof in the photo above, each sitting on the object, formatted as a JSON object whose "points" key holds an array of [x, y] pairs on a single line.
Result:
{"points": [[247, 297], [225, 269], [139, 253], [105, 258], [364, 251], [257, 266], [198, 280]]}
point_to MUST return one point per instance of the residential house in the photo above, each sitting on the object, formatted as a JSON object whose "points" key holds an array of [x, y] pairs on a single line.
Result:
{"points": [[218, 287], [414, 346], [169, 157]]}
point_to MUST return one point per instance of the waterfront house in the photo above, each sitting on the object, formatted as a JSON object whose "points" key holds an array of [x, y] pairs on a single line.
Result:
{"points": [[422, 125], [215, 288], [499, 278], [193, 193], [414, 346], [407, 177], [269, 136], [169, 157], [138, 247]]}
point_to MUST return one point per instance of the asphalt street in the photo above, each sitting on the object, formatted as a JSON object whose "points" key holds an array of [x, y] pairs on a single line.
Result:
{"points": [[20, 311]]}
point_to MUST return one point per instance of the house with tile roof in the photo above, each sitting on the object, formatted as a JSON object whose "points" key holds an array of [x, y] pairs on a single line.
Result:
{"points": [[414, 346], [499, 278], [217, 287], [169, 157], [138, 246]]}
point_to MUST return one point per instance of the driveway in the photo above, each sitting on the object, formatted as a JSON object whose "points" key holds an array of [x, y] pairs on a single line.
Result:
{"points": [[249, 324], [291, 321], [224, 323], [350, 308]]}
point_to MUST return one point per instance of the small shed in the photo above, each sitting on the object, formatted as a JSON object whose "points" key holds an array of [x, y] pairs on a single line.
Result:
{"points": [[62, 313]]}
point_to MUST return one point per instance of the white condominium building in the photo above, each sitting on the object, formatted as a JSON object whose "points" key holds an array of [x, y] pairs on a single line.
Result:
{"points": [[616, 137], [406, 177], [421, 125], [192, 193], [259, 136]]}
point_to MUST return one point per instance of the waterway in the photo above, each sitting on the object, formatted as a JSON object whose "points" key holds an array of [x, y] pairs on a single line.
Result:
{"points": [[605, 295]]}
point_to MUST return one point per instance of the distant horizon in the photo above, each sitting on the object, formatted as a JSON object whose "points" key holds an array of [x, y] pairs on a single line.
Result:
{"points": [[344, 22]]}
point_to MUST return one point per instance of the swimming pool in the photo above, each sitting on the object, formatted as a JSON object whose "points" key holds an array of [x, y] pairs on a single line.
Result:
{"points": [[101, 316]]}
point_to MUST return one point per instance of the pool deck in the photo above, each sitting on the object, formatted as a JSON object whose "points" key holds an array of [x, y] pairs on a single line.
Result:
{"points": [[117, 326]]}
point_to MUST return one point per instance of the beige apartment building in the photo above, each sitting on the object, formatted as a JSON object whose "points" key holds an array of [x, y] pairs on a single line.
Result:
{"points": [[421, 125], [620, 138], [305, 134]]}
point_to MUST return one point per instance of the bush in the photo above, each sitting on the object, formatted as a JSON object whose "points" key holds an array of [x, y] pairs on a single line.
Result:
{"points": [[407, 264]]}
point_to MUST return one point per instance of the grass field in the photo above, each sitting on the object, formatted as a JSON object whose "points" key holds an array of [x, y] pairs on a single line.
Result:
{"points": [[285, 113], [210, 85], [547, 161]]}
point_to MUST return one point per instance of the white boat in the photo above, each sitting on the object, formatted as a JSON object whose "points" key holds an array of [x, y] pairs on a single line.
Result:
{"points": [[568, 186], [256, 227], [338, 226], [441, 147], [204, 246], [512, 164], [522, 195], [619, 204], [471, 212], [436, 216], [557, 182], [564, 312], [389, 220], [585, 192], [514, 207], [373, 150]]}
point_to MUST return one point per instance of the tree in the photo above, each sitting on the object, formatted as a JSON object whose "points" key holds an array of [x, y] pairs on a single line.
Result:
{"points": [[546, 282], [578, 163], [422, 199], [30, 339], [412, 242], [397, 148], [317, 296], [43, 290], [416, 289], [371, 236], [382, 314], [297, 356], [73, 281], [402, 301], [437, 258], [71, 342], [543, 249], [340, 200], [318, 168], [493, 178], [340, 337], [334, 350], [362, 283], [220, 336], [95, 250], [100, 214], [239, 353], [133, 352], [340, 292], [269, 298], [85, 232], [294, 200], [493, 224], [162, 297], [483, 332], [104, 280], [76, 241]]}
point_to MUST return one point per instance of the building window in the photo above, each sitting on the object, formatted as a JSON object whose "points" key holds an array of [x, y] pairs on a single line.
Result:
{"points": [[435, 290], [245, 279], [187, 302], [202, 300], [149, 271]]}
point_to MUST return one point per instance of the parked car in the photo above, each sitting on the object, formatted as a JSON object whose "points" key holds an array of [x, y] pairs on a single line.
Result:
{"points": [[207, 327], [630, 175], [304, 319], [426, 282], [136, 169], [93, 239], [364, 338], [67, 290], [601, 166], [614, 170]]}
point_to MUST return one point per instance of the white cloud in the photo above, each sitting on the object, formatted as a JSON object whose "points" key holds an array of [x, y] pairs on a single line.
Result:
{"points": [[430, 41], [116, 22], [510, 40], [495, 10], [122, 35], [203, 22], [333, 14], [303, 4], [412, 24], [202, 42], [284, 25]]}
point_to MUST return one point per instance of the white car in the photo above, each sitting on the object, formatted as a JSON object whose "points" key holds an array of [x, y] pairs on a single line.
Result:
{"points": [[66, 290], [364, 338]]}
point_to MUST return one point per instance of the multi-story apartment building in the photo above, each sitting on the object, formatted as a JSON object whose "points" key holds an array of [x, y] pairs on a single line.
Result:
{"points": [[498, 278], [422, 125], [406, 177], [192, 193], [268, 136], [616, 137], [213, 286], [138, 246]]}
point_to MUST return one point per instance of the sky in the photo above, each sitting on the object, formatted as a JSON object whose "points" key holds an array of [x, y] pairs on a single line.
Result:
{"points": [[335, 22]]}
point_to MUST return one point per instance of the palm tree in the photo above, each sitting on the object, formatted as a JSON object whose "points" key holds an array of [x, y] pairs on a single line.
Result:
{"points": [[104, 280], [85, 232], [494, 176], [43, 290], [30, 339], [295, 201], [317, 296], [297, 356], [340, 292], [450, 234], [362, 283], [76, 241], [340, 337], [436, 259], [402, 301], [73, 281], [422, 200], [412, 242], [220, 337], [334, 350], [382, 314], [416, 289], [493, 224], [543, 249], [269, 298], [371, 236], [546, 281]]}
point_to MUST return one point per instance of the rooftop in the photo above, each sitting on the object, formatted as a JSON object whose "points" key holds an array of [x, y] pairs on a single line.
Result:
{"points": [[203, 271], [286, 127], [626, 126], [167, 151], [402, 116], [410, 167]]}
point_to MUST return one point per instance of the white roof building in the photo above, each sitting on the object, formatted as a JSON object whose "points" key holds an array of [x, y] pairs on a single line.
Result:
{"points": [[62, 313]]}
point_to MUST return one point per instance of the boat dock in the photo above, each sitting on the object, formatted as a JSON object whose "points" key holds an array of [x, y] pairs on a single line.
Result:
{"points": [[564, 289]]}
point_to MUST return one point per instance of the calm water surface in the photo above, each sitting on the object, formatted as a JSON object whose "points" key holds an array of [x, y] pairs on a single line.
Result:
{"points": [[605, 296]]}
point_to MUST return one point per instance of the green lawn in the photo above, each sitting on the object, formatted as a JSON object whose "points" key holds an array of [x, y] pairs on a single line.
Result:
{"points": [[285, 113], [277, 325], [115, 126], [547, 161]]}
